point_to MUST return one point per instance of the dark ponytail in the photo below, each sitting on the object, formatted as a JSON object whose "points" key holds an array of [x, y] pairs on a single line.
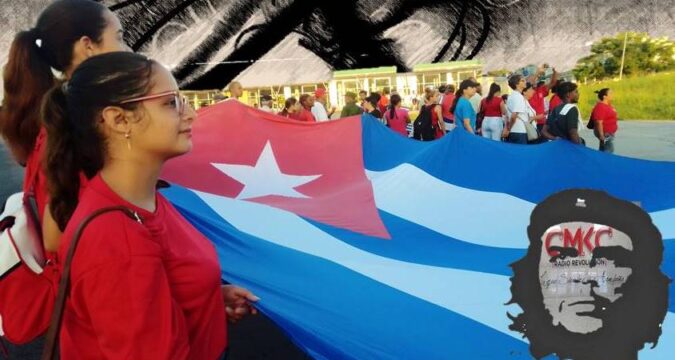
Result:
{"points": [[393, 102], [28, 76], [458, 94], [71, 111], [602, 93], [494, 88], [63, 162]]}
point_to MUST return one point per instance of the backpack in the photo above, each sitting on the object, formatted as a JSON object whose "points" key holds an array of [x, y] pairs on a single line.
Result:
{"points": [[423, 128], [27, 279]]}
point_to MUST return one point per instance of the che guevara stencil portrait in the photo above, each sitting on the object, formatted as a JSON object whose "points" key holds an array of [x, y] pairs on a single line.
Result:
{"points": [[590, 285]]}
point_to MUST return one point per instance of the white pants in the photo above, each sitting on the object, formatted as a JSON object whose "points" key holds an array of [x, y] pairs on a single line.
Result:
{"points": [[493, 127]]}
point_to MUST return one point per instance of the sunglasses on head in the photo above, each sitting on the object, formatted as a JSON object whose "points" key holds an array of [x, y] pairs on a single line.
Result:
{"points": [[181, 102]]}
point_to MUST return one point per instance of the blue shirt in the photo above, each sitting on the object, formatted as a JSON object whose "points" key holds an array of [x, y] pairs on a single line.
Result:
{"points": [[464, 110]]}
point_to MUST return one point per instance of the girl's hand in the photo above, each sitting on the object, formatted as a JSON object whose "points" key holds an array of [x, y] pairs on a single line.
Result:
{"points": [[238, 302]]}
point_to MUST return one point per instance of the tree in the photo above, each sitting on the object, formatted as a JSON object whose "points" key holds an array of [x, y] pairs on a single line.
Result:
{"points": [[643, 55]]}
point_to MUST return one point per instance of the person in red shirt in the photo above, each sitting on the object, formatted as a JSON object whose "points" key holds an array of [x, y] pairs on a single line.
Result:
{"points": [[148, 288], [555, 99], [67, 32], [305, 113], [446, 104], [494, 112], [383, 103], [605, 120], [538, 100]]}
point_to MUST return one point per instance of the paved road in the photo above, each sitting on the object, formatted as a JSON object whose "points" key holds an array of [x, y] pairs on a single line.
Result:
{"points": [[259, 338], [651, 140]]}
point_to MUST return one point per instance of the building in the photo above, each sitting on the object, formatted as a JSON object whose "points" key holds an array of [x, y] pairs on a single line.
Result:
{"points": [[408, 85], [295, 83]]}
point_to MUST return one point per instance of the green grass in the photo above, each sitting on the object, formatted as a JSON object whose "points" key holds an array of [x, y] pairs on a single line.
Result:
{"points": [[646, 97]]}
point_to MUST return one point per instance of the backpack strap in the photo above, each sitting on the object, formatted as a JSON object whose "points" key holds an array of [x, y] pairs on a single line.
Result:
{"points": [[64, 284]]}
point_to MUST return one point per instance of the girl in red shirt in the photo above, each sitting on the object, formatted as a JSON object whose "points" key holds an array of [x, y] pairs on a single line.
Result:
{"points": [[67, 32], [605, 120], [147, 289]]}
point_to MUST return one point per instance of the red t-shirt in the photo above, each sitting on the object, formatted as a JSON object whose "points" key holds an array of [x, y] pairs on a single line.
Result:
{"points": [[446, 105], [436, 122], [383, 103], [554, 103], [537, 102], [304, 115], [608, 115], [35, 177], [140, 291], [399, 122], [492, 108]]}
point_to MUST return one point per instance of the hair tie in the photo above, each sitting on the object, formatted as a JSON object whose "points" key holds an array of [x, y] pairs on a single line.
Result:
{"points": [[35, 34]]}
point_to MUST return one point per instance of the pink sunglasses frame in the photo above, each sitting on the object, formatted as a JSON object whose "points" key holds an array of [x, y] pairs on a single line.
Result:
{"points": [[181, 101]]}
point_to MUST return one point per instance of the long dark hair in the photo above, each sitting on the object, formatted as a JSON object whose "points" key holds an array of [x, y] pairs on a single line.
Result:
{"points": [[494, 88], [460, 92], [71, 113], [32, 55], [395, 100]]}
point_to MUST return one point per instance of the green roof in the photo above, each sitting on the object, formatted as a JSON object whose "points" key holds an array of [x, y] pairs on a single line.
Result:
{"points": [[384, 70], [445, 66]]}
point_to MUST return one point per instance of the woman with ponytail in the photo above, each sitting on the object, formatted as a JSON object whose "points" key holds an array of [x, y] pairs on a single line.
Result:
{"points": [[67, 32], [465, 115], [397, 117], [140, 289], [604, 120], [494, 109]]}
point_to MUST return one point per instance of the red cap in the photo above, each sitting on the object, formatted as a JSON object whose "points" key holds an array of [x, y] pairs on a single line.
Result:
{"points": [[320, 92]]}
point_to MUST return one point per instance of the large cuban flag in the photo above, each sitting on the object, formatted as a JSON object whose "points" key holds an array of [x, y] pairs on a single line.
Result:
{"points": [[363, 244]]}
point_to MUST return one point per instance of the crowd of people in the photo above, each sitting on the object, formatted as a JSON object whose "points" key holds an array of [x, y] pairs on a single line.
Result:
{"points": [[99, 135], [534, 112]]}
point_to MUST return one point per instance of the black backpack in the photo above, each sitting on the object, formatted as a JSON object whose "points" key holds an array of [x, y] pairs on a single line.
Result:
{"points": [[423, 128]]}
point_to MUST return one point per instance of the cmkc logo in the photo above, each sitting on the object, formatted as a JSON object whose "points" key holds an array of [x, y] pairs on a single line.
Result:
{"points": [[588, 240]]}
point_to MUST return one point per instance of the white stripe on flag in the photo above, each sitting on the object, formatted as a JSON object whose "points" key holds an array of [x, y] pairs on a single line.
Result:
{"points": [[465, 214]]}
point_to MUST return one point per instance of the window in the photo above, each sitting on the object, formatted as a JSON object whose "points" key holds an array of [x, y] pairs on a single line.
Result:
{"points": [[308, 89], [349, 86], [463, 75], [379, 84], [425, 81]]}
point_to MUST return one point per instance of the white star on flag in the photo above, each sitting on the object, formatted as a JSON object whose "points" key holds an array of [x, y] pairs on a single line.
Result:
{"points": [[265, 178]]}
